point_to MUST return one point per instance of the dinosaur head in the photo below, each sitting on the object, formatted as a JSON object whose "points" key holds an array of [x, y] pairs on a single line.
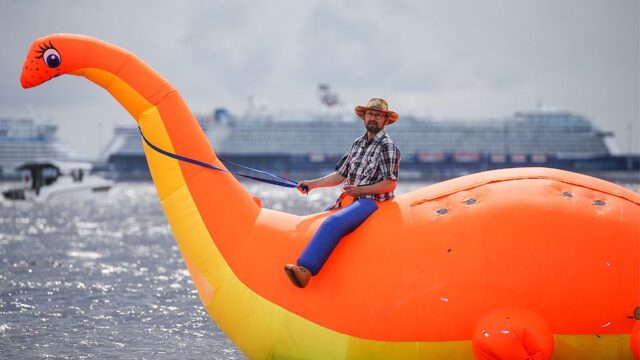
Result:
{"points": [[49, 57]]}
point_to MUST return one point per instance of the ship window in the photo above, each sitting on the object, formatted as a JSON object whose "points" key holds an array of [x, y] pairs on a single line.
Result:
{"points": [[77, 175], [49, 175], [49, 180]]}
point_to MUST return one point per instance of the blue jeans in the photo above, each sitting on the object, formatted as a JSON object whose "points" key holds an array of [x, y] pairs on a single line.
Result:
{"points": [[332, 230]]}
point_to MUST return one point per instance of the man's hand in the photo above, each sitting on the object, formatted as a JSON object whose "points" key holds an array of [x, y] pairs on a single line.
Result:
{"points": [[304, 186], [352, 190]]}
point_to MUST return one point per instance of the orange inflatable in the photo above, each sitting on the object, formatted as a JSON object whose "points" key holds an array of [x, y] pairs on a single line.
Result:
{"points": [[509, 264]]}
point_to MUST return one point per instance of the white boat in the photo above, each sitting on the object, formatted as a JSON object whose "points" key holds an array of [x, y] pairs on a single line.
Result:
{"points": [[56, 180]]}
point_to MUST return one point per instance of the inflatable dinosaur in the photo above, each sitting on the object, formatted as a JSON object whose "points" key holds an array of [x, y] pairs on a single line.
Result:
{"points": [[509, 264]]}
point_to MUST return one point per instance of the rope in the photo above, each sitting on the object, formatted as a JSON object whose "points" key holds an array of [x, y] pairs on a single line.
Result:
{"points": [[279, 180]]}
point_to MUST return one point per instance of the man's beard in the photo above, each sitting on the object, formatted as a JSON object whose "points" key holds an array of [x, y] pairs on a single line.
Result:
{"points": [[373, 128]]}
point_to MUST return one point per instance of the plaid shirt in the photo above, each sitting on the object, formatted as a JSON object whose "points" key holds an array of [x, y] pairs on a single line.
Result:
{"points": [[371, 161]]}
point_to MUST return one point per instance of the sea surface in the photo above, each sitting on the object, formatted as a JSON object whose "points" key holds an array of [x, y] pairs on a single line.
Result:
{"points": [[103, 278]]}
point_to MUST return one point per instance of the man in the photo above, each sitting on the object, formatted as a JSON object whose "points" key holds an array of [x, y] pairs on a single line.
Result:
{"points": [[369, 174]]}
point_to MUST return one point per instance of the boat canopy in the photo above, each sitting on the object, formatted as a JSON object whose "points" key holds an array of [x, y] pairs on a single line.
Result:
{"points": [[63, 167]]}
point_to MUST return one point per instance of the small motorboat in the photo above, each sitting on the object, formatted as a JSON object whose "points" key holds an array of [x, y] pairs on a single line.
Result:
{"points": [[56, 180]]}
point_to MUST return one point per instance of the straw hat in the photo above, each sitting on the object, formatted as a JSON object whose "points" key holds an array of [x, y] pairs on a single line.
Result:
{"points": [[380, 105]]}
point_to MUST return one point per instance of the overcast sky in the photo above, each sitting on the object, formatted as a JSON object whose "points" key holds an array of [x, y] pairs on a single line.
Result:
{"points": [[446, 59]]}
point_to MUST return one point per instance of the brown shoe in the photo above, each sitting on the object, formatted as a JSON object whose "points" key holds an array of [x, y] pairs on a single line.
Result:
{"points": [[298, 275]]}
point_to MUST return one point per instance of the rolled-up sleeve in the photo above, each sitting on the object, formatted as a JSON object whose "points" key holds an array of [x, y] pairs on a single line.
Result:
{"points": [[390, 162]]}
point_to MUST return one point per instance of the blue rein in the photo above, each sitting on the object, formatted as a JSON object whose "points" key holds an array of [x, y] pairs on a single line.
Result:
{"points": [[277, 180]]}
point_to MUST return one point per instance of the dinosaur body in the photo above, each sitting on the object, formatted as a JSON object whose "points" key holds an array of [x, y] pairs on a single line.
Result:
{"points": [[416, 279]]}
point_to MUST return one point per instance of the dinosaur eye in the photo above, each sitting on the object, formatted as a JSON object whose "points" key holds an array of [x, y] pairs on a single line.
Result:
{"points": [[52, 58], [50, 55]]}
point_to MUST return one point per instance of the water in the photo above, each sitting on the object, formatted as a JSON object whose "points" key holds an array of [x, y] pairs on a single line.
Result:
{"points": [[104, 279]]}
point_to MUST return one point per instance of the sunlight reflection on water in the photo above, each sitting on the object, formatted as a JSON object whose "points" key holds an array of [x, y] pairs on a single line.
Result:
{"points": [[100, 279]]}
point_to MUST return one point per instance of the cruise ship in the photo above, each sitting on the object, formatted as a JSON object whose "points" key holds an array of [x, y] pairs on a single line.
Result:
{"points": [[304, 145], [26, 140]]}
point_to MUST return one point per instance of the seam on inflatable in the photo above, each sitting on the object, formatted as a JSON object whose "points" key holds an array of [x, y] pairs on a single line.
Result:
{"points": [[166, 197], [116, 75], [442, 195], [173, 90]]}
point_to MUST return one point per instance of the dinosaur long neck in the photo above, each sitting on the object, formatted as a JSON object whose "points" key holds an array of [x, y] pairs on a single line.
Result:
{"points": [[167, 122]]}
